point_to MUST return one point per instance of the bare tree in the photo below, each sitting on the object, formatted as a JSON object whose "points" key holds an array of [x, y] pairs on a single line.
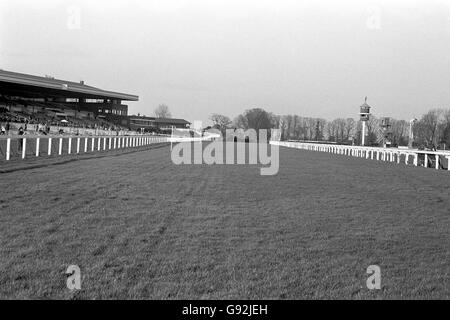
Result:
{"points": [[320, 129], [283, 127], [275, 120], [400, 132], [350, 127], [240, 122], [331, 130], [221, 122], [288, 120], [374, 132], [254, 118], [295, 126], [427, 128], [446, 129], [162, 111], [311, 123]]}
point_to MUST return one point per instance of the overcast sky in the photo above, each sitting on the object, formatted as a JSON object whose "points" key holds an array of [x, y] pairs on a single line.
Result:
{"points": [[311, 58]]}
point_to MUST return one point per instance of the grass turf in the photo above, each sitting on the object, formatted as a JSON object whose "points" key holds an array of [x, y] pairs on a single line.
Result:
{"points": [[141, 227]]}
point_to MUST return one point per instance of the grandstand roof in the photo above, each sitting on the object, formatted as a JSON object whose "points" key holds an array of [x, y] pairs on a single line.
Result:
{"points": [[27, 85], [170, 120]]}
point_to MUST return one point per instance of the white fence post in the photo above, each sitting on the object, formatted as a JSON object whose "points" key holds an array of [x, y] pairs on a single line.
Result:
{"points": [[78, 145], [60, 146], [37, 146], [24, 147], [49, 146], [8, 148], [70, 146]]}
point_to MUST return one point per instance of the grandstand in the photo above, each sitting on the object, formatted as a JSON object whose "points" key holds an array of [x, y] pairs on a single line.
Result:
{"points": [[46, 104], [46, 100]]}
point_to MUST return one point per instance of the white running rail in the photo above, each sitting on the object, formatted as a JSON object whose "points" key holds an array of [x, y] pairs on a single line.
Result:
{"points": [[418, 157], [74, 144]]}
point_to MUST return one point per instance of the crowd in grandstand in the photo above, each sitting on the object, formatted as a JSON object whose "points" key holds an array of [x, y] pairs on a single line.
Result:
{"points": [[40, 122]]}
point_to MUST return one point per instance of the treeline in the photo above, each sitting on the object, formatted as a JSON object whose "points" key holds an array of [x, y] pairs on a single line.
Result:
{"points": [[432, 130]]}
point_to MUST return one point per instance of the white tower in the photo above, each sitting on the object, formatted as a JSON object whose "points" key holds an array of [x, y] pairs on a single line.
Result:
{"points": [[364, 113]]}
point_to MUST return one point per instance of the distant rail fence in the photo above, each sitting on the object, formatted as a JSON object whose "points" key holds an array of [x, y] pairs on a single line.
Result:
{"points": [[36, 146], [186, 139], [427, 159]]}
